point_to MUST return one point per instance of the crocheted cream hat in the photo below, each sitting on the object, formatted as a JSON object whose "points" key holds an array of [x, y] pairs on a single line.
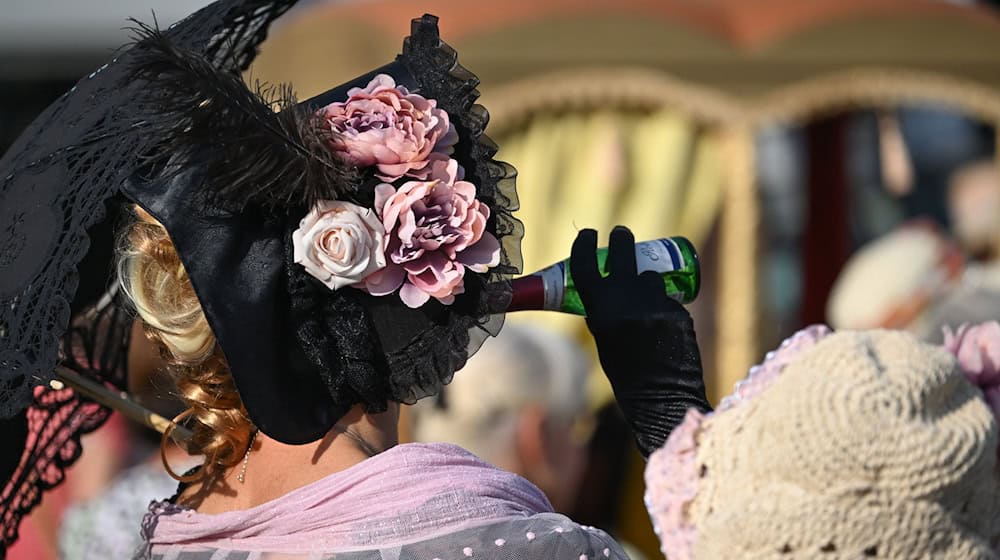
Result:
{"points": [[866, 444]]}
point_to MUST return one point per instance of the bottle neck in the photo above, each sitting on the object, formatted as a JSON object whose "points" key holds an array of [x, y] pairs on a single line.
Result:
{"points": [[528, 293], [542, 291]]}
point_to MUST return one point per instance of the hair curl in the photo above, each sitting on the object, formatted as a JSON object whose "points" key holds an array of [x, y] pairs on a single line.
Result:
{"points": [[154, 278]]}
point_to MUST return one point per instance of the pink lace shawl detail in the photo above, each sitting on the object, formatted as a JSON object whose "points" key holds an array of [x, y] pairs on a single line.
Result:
{"points": [[672, 472]]}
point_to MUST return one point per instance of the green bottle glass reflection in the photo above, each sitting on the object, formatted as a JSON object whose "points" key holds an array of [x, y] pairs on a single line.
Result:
{"points": [[553, 289]]}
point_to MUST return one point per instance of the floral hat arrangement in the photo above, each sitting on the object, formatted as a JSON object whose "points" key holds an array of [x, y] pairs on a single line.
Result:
{"points": [[427, 227], [354, 248]]}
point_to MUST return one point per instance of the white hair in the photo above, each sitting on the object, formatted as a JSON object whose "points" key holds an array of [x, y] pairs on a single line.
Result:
{"points": [[522, 366]]}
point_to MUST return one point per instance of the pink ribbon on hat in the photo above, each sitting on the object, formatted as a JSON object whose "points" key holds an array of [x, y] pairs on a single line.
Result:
{"points": [[977, 349]]}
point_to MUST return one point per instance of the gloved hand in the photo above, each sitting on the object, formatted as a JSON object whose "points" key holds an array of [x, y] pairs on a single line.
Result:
{"points": [[645, 340]]}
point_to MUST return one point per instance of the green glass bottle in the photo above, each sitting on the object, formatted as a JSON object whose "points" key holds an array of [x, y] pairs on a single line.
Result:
{"points": [[552, 288]]}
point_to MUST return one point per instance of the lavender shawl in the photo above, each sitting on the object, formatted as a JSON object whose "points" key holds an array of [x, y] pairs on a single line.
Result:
{"points": [[412, 501]]}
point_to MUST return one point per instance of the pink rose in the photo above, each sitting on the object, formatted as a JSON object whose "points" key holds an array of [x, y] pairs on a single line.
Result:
{"points": [[339, 243], [435, 230], [977, 349], [385, 125]]}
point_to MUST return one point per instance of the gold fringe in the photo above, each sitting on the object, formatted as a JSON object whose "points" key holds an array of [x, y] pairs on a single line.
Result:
{"points": [[514, 103], [736, 309]]}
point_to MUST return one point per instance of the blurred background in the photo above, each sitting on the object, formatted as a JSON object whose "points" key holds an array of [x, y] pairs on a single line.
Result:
{"points": [[833, 161]]}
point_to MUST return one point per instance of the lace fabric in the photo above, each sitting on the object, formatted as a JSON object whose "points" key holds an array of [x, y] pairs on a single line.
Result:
{"points": [[372, 350], [56, 177], [95, 346], [428, 362], [54, 182]]}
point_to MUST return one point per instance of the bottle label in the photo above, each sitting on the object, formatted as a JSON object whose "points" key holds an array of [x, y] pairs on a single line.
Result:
{"points": [[554, 285], [660, 255]]}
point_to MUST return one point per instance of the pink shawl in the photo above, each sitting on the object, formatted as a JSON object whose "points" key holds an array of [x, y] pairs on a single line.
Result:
{"points": [[409, 493]]}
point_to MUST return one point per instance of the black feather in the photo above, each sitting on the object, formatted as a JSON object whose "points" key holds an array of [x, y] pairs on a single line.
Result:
{"points": [[256, 147]]}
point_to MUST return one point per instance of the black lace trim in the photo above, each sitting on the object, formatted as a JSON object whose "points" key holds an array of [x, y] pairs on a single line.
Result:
{"points": [[59, 173], [96, 346], [374, 350], [428, 363]]}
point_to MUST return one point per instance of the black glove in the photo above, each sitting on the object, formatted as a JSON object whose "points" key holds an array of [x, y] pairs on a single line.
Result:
{"points": [[645, 340]]}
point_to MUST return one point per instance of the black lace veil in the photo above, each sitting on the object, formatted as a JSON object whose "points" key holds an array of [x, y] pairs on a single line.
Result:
{"points": [[54, 182]]}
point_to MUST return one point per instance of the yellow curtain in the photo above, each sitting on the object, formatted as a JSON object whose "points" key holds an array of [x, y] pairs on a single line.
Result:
{"points": [[657, 172]]}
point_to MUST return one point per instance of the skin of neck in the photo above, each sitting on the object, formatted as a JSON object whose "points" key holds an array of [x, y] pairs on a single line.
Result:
{"points": [[275, 469]]}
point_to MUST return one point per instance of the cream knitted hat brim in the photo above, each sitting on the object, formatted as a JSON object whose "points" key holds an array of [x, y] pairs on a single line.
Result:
{"points": [[867, 445]]}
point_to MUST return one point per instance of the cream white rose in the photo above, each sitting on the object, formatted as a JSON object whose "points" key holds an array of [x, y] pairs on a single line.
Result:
{"points": [[339, 243]]}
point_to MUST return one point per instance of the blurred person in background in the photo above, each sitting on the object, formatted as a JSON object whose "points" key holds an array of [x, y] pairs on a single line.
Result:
{"points": [[534, 420], [916, 166], [974, 209], [918, 278], [894, 281], [531, 420]]}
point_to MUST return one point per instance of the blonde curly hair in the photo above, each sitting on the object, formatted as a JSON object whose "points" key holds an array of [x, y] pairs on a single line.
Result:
{"points": [[152, 275]]}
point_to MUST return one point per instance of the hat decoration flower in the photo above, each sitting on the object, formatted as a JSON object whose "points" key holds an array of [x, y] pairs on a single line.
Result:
{"points": [[426, 228], [386, 184], [977, 349]]}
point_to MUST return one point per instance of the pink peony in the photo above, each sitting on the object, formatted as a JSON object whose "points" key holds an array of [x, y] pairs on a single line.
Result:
{"points": [[384, 125], [435, 230], [977, 349]]}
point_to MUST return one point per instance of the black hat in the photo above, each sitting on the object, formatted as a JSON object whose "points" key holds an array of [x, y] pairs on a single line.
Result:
{"points": [[233, 180]]}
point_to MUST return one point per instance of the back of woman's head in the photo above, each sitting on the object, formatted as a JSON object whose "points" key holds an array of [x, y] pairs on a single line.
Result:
{"points": [[333, 271], [154, 278]]}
